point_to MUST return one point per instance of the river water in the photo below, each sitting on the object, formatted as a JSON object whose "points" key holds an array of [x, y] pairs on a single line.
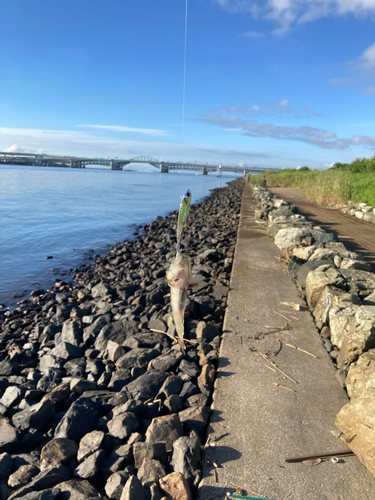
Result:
{"points": [[74, 214]]}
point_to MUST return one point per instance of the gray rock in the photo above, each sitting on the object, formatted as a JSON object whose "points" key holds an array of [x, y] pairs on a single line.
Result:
{"points": [[76, 367], [206, 331], [22, 476], [155, 451], [12, 396], [77, 489], [52, 377], [57, 451], [189, 389], [195, 418], [147, 385], [48, 361], [133, 490], [360, 338], [37, 416], [120, 457], [167, 361], [72, 332], [81, 418], [66, 351], [91, 332], [186, 457], [47, 494], [114, 351], [361, 283], [91, 465], [150, 471], [305, 268], [164, 429], [8, 435], [172, 385], [118, 332], [321, 277], [102, 290], [123, 425], [79, 386], [90, 443], [115, 484], [361, 375]]}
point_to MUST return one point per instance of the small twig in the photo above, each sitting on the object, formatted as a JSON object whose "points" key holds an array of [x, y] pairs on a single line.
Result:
{"points": [[284, 387], [250, 322], [302, 350], [282, 315], [269, 367], [277, 368], [294, 318], [279, 349], [215, 475], [346, 453]]}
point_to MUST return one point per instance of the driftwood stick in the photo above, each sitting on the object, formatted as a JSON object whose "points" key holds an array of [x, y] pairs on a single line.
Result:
{"points": [[284, 387], [346, 453], [281, 315], [302, 350], [277, 368]]}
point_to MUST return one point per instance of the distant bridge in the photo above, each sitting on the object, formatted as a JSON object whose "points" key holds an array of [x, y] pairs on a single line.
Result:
{"points": [[118, 164]]}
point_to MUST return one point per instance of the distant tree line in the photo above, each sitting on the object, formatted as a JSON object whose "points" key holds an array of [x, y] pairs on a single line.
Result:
{"points": [[358, 165]]}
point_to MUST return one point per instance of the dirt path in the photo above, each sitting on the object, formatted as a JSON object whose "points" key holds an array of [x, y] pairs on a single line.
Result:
{"points": [[357, 235]]}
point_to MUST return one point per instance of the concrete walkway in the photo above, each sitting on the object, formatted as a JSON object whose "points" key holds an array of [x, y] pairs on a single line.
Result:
{"points": [[255, 423]]}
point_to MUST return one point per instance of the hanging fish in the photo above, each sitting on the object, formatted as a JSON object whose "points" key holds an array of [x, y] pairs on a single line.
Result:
{"points": [[179, 275]]}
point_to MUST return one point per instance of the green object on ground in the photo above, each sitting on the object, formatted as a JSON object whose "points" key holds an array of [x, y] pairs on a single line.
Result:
{"points": [[251, 498]]}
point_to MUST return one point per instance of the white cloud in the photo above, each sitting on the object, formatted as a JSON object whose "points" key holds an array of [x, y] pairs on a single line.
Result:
{"points": [[368, 57], [287, 13], [18, 149], [119, 128], [328, 165], [370, 90], [310, 135]]}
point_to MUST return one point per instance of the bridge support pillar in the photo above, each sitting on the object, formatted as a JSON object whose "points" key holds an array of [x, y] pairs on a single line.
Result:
{"points": [[244, 173], [163, 169], [218, 174], [204, 171], [114, 165]]}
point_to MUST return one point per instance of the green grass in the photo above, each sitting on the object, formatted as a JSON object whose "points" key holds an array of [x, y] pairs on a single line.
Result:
{"points": [[336, 185]]}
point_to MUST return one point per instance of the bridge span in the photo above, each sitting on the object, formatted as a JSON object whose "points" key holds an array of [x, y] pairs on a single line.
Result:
{"points": [[119, 164]]}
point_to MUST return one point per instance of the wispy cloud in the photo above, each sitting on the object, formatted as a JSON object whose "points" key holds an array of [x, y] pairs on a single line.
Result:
{"points": [[343, 82], [271, 108], [370, 90], [288, 13], [254, 34], [310, 135], [367, 59], [119, 128]]}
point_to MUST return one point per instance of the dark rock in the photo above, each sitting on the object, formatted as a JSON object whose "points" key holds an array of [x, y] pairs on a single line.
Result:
{"points": [[8, 368], [37, 416], [117, 460], [204, 305], [51, 378], [294, 266], [195, 418], [189, 389], [5, 464], [91, 465], [77, 489], [189, 368], [76, 367], [147, 385], [57, 451], [154, 450], [167, 361], [47, 494], [119, 379], [173, 403], [138, 357], [165, 429], [81, 418], [45, 479], [150, 471], [118, 332], [91, 332], [172, 385], [306, 268], [157, 324]]}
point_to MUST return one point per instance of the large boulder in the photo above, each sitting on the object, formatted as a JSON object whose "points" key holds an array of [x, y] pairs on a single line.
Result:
{"points": [[317, 280], [360, 338], [305, 268], [361, 375], [287, 236], [361, 283], [356, 421], [341, 321]]}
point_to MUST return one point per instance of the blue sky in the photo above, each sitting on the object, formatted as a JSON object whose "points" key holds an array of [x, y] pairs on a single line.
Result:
{"points": [[271, 83]]}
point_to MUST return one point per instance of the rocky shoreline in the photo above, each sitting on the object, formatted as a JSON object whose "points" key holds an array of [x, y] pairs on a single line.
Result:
{"points": [[96, 398], [339, 289]]}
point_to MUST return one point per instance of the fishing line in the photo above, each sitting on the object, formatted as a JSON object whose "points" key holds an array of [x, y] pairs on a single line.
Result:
{"points": [[184, 86]]}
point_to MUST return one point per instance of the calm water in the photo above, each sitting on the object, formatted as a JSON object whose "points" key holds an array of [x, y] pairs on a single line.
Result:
{"points": [[66, 213]]}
